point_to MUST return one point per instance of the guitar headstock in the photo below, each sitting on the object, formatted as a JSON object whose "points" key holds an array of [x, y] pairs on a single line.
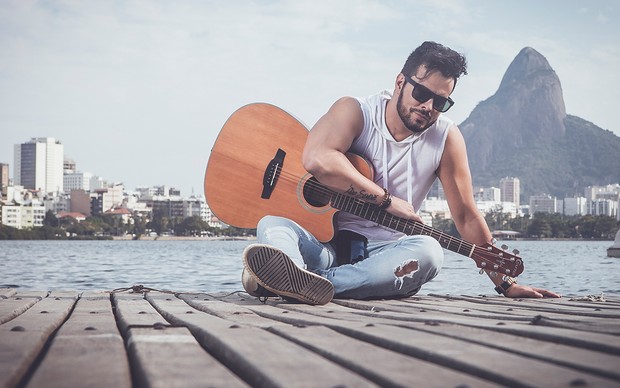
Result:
{"points": [[492, 258]]}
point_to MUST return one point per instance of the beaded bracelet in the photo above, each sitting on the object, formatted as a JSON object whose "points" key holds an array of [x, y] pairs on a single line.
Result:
{"points": [[387, 200]]}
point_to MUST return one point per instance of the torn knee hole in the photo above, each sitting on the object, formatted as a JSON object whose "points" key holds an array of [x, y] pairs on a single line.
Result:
{"points": [[406, 268]]}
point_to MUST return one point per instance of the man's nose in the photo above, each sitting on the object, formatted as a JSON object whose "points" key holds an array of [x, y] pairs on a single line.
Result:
{"points": [[428, 104]]}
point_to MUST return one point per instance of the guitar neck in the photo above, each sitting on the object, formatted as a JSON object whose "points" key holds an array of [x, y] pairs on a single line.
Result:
{"points": [[486, 257], [372, 213]]}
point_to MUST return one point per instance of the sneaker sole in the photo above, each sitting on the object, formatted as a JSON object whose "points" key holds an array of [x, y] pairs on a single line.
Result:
{"points": [[278, 273]]}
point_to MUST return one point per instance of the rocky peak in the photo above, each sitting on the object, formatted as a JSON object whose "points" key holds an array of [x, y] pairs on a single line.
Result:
{"points": [[523, 130], [527, 64], [527, 109]]}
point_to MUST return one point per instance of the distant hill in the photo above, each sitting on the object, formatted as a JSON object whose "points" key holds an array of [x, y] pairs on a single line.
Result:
{"points": [[523, 131]]}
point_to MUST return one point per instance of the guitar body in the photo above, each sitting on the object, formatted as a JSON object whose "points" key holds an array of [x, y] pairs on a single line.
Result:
{"points": [[235, 174]]}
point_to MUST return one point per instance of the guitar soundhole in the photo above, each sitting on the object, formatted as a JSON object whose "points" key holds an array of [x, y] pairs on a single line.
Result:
{"points": [[316, 194]]}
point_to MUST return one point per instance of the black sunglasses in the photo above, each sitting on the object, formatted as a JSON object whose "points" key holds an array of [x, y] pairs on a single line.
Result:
{"points": [[422, 94]]}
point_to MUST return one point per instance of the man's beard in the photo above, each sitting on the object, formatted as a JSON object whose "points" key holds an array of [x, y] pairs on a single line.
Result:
{"points": [[406, 116]]}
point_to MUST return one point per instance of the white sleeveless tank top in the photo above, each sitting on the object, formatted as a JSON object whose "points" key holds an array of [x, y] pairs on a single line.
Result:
{"points": [[408, 166]]}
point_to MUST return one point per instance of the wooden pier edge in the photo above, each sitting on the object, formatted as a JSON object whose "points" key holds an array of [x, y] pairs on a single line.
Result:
{"points": [[141, 337]]}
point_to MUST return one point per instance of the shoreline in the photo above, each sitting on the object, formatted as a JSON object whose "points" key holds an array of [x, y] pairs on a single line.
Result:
{"points": [[184, 238], [250, 238]]}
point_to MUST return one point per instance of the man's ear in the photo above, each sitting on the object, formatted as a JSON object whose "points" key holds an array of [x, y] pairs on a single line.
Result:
{"points": [[400, 82]]}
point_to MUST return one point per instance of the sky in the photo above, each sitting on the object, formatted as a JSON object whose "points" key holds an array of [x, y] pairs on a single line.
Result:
{"points": [[137, 91]]}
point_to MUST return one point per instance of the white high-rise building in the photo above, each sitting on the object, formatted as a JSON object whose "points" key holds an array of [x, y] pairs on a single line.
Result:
{"points": [[4, 179], [543, 204], [78, 181], [488, 194], [575, 206], [39, 165], [510, 189]]}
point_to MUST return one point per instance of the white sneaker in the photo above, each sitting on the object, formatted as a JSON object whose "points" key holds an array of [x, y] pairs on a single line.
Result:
{"points": [[276, 272]]}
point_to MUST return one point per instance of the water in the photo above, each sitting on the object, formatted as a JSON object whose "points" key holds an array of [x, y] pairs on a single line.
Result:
{"points": [[572, 268]]}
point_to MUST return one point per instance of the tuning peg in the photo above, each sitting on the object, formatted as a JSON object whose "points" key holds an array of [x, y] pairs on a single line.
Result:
{"points": [[515, 251], [504, 246]]}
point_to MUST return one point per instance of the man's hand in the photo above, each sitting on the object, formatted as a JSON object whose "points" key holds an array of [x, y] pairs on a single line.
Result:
{"points": [[401, 208], [522, 291]]}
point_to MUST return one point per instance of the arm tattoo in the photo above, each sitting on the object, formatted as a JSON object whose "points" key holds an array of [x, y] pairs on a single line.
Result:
{"points": [[363, 195]]}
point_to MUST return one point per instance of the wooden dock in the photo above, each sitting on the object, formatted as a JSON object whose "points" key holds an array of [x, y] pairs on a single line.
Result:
{"points": [[159, 339]]}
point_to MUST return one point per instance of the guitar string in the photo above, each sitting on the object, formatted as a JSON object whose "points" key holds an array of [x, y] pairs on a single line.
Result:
{"points": [[322, 189]]}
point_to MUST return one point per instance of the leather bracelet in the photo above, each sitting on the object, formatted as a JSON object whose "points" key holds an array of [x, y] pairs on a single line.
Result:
{"points": [[502, 289], [387, 200]]}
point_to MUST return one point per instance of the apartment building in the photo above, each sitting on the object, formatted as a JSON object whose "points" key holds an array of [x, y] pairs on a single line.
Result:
{"points": [[23, 217], [39, 165]]}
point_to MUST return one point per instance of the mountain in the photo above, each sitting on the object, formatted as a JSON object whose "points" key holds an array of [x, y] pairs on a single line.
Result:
{"points": [[523, 131]]}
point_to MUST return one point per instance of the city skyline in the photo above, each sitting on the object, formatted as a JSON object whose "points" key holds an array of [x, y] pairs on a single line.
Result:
{"points": [[140, 90], [55, 163], [49, 181]]}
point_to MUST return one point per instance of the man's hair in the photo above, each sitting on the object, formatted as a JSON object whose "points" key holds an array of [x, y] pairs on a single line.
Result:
{"points": [[436, 57]]}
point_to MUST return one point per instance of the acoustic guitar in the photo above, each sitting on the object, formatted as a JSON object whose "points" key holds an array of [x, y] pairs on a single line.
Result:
{"points": [[255, 170]]}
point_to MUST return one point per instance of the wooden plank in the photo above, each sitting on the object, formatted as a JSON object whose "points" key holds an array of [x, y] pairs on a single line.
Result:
{"points": [[569, 336], [593, 362], [7, 292], [24, 337], [14, 306], [162, 355], [32, 294], [259, 357], [601, 323], [87, 350], [134, 311], [382, 366], [480, 360], [544, 305], [227, 310], [171, 357], [520, 306], [597, 363]]}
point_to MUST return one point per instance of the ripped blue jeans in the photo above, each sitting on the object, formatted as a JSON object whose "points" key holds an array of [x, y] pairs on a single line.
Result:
{"points": [[393, 269]]}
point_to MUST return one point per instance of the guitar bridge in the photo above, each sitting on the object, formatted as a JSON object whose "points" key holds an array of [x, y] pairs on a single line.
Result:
{"points": [[272, 173]]}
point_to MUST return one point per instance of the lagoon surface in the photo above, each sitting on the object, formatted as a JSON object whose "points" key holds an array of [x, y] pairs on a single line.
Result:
{"points": [[572, 268]]}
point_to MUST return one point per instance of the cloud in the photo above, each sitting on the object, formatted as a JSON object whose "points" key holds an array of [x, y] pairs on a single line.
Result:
{"points": [[138, 90]]}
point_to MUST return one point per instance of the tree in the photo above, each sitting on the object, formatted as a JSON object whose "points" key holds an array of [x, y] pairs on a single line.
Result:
{"points": [[445, 225], [539, 227], [139, 226], [605, 227], [50, 219], [497, 219], [159, 224], [520, 224], [191, 226]]}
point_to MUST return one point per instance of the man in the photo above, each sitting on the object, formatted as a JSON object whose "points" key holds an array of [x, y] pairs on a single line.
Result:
{"points": [[410, 143]]}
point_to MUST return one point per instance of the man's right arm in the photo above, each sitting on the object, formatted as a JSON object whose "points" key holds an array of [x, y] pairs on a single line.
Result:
{"points": [[326, 146], [324, 157]]}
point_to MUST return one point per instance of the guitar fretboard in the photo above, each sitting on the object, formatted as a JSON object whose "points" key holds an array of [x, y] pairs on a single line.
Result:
{"points": [[372, 213]]}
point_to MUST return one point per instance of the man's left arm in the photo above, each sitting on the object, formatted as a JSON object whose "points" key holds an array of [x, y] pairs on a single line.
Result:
{"points": [[455, 178]]}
